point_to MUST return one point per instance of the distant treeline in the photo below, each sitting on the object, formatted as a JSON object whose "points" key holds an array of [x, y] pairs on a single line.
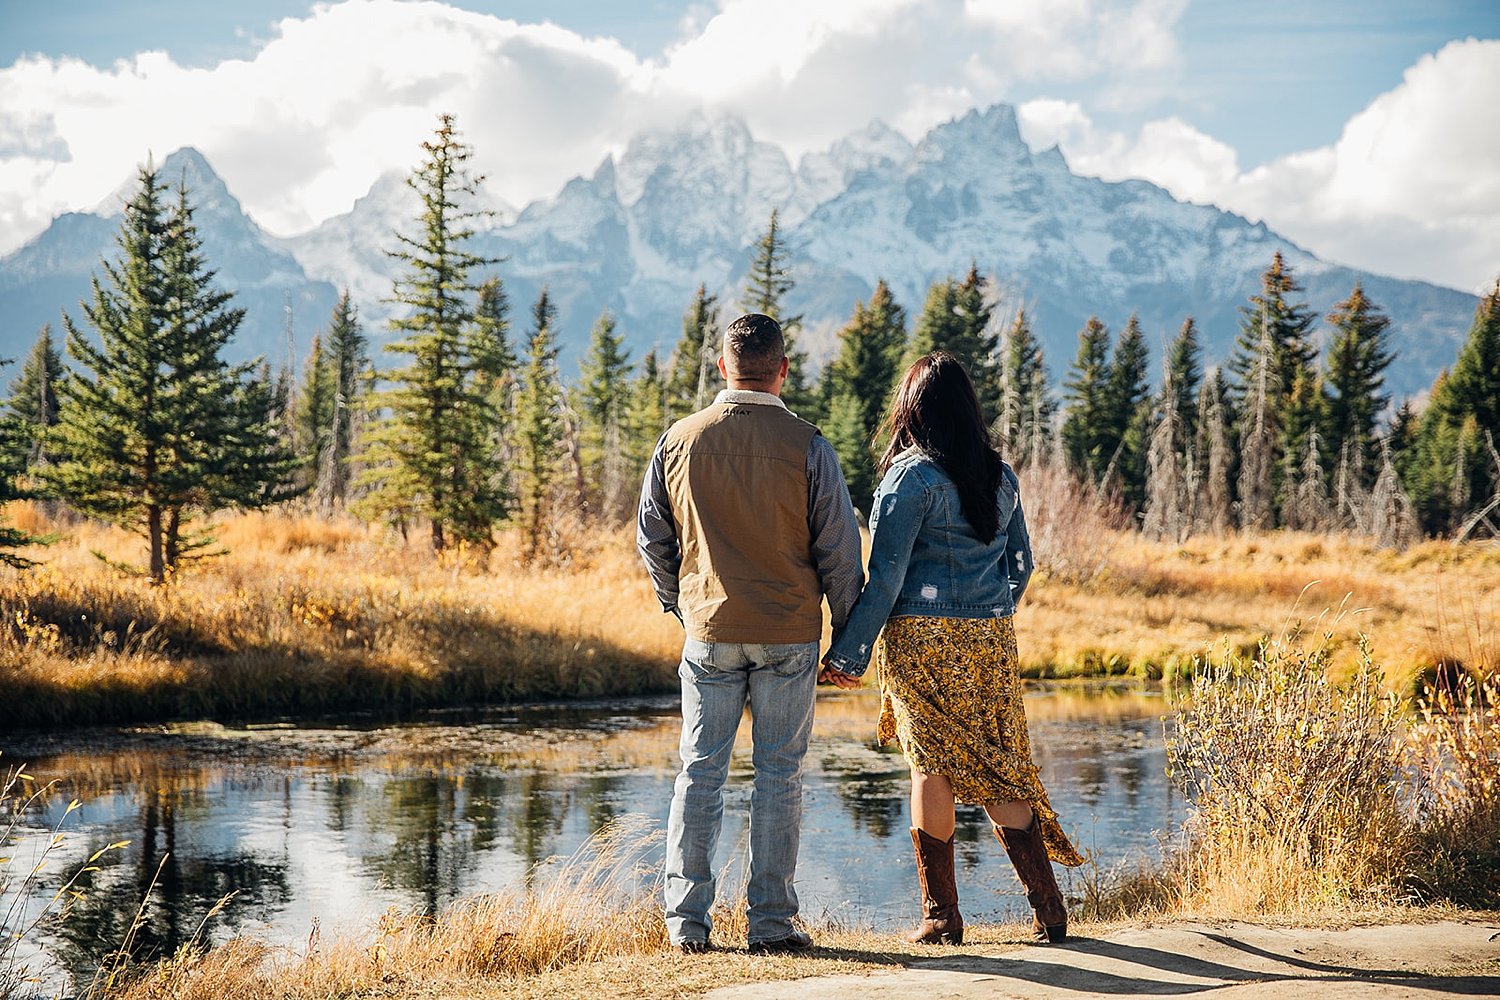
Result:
{"points": [[151, 428]]}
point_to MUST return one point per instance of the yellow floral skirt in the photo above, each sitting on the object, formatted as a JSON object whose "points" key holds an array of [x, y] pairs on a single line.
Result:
{"points": [[950, 695]]}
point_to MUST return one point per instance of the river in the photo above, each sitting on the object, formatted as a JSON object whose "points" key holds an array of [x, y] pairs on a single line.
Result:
{"points": [[331, 823]]}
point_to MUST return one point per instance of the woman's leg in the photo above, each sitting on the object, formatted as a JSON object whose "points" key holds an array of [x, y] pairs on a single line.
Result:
{"points": [[1016, 815], [932, 839], [932, 804]]}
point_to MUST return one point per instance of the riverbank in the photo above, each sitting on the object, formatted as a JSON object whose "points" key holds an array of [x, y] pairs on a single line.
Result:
{"points": [[304, 616]]}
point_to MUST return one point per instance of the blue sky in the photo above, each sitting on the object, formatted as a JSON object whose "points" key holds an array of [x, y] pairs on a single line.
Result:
{"points": [[1247, 105]]}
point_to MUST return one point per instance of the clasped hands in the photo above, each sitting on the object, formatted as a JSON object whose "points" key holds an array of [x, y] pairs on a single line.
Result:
{"points": [[839, 679]]}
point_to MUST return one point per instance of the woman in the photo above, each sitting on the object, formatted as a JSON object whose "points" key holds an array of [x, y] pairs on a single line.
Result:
{"points": [[949, 558]]}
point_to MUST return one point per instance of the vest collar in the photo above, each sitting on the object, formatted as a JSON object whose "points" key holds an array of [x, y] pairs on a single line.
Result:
{"points": [[738, 396]]}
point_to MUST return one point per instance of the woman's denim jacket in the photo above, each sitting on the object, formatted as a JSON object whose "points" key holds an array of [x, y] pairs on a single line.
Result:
{"points": [[926, 560]]}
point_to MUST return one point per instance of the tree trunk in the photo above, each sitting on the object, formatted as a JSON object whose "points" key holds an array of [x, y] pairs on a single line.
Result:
{"points": [[153, 538]]}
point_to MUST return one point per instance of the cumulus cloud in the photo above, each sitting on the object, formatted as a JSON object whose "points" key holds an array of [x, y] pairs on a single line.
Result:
{"points": [[1410, 188], [336, 98]]}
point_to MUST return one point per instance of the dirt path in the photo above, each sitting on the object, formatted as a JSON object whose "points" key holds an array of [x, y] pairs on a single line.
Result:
{"points": [[1239, 961]]}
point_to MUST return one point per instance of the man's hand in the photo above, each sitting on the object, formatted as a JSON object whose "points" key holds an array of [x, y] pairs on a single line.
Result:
{"points": [[839, 679]]}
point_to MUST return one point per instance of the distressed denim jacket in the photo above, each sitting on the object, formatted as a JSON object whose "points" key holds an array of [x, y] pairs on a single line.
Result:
{"points": [[925, 559]]}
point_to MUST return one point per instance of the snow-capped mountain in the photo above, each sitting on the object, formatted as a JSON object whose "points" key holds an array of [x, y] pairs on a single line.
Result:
{"points": [[685, 205], [51, 274]]}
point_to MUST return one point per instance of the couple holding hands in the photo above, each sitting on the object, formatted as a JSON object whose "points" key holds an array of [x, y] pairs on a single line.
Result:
{"points": [[745, 525]]}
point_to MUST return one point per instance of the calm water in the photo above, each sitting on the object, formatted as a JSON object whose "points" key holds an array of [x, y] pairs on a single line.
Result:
{"points": [[337, 822]]}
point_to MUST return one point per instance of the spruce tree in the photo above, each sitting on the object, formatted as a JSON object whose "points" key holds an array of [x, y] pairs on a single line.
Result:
{"points": [[350, 364], [1258, 433], [427, 458], [694, 376], [156, 428], [1025, 408], [13, 448], [1087, 439], [1128, 421], [648, 416], [1213, 502], [1357, 359], [539, 429], [315, 405], [975, 342], [33, 398], [859, 382], [1448, 467], [939, 326], [1184, 371], [605, 401], [766, 288]]}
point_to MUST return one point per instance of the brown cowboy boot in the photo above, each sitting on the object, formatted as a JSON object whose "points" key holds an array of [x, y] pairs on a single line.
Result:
{"points": [[941, 921], [1049, 914]]}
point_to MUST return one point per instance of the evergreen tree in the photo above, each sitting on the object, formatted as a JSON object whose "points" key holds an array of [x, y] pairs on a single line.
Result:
{"points": [[427, 458], [939, 326], [350, 364], [648, 416], [1026, 408], [14, 446], [315, 405], [1087, 439], [859, 383], [1259, 432], [1213, 504], [1185, 375], [33, 398], [1128, 418], [539, 428], [976, 343], [695, 375], [605, 402], [766, 288], [155, 426], [1449, 468], [1357, 359]]}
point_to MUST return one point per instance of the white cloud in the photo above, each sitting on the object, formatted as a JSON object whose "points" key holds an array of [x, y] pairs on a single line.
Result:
{"points": [[346, 93], [1411, 187]]}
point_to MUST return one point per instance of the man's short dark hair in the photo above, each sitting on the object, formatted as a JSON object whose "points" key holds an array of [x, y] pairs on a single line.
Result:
{"points": [[754, 347]]}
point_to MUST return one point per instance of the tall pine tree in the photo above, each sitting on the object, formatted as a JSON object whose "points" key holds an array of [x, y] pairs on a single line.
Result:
{"points": [[33, 398], [694, 377], [1357, 359], [766, 288], [539, 429], [1026, 408], [350, 362], [427, 458], [604, 395], [315, 404], [1087, 438], [155, 426], [1129, 421], [859, 384]]}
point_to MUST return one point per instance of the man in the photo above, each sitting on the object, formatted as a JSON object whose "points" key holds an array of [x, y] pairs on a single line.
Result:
{"points": [[745, 525]]}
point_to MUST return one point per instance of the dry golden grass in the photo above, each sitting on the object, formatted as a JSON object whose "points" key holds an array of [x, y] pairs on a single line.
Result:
{"points": [[306, 615], [1152, 608]]}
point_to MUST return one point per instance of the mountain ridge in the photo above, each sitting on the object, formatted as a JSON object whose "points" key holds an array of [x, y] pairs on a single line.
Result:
{"points": [[684, 205]]}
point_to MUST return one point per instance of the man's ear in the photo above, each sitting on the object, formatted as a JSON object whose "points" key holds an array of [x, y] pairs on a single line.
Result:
{"points": [[786, 366], [722, 369]]}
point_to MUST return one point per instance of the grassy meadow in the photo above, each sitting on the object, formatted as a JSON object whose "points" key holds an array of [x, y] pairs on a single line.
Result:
{"points": [[304, 615]]}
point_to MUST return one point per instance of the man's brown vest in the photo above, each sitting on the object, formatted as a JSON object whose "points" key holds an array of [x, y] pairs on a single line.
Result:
{"points": [[737, 477]]}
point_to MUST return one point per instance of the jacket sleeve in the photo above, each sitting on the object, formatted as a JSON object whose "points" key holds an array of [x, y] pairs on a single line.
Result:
{"points": [[656, 532], [833, 530], [895, 519], [1018, 562]]}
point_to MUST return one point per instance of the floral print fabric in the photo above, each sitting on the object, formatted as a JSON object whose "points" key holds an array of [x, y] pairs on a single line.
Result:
{"points": [[950, 696]]}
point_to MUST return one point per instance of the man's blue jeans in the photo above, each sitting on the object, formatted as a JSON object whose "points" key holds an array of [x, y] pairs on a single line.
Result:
{"points": [[718, 678]]}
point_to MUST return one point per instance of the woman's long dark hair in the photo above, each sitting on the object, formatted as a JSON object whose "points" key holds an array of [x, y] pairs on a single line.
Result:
{"points": [[936, 409]]}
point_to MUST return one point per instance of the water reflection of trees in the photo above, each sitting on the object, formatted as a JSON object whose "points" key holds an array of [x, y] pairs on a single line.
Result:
{"points": [[164, 867]]}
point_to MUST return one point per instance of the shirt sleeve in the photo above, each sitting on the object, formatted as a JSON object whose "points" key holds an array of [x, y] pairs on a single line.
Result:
{"points": [[834, 531], [1018, 562], [894, 524], [656, 531]]}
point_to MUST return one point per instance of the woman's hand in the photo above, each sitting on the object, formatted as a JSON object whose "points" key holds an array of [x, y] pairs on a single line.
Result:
{"points": [[839, 679]]}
